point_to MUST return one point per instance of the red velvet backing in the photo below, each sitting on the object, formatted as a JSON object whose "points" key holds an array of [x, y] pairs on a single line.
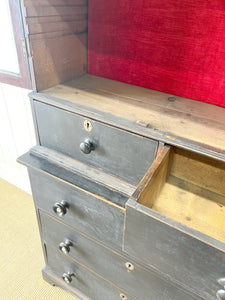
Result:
{"points": [[177, 47]]}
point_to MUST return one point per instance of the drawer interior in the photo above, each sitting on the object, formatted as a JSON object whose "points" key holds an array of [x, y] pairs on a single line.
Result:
{"points": [[188, 188]]}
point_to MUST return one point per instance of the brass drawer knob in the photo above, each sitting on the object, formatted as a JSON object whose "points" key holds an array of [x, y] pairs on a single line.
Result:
{"points": [[65, 246], [60, 208], [87, 146], [220, 294], [68, 277]]}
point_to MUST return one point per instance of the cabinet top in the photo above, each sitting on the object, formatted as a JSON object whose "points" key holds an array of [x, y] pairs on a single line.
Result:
{"points": [[190, 124]]}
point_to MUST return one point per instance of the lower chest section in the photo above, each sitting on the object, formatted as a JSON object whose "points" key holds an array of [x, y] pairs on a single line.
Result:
{"points": [[122, 216]]}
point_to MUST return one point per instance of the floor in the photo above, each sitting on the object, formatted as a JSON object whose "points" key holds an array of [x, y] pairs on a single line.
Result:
{"points": [[21, 258]]}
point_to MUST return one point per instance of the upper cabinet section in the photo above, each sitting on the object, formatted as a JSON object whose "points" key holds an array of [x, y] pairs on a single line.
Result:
{"points": [[177, 121], [56, 32]]}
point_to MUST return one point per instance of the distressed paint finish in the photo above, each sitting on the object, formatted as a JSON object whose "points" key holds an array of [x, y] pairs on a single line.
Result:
{"points": [[140, 282], [88, 213], [185, 123], [45, 166], [129, 126], [114, 148], [195, 260], [87, 282]]}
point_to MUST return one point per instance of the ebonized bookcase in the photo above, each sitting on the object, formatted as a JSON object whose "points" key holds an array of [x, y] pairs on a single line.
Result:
{"points": [[128, 183]]}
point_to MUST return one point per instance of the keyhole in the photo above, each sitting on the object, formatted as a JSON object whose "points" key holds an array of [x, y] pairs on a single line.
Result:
{"points": [[87, 125], [122, 296], [129, 266]]}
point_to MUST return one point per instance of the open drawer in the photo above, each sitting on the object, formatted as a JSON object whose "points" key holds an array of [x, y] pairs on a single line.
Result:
{"points": [[175, 220]]}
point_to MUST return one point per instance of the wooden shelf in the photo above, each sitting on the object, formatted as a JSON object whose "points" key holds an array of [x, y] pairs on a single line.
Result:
{"points": [[186, 123]]}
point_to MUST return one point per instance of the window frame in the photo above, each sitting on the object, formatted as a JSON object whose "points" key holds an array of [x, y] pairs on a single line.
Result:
{"points": [[22, 79]]}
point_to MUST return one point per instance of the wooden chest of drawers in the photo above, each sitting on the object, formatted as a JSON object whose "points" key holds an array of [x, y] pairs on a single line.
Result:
{"points": [[128, 183], [125, 210]]}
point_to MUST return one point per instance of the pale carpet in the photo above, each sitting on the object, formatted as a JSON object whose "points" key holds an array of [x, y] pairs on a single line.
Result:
{"points": [[21, 258]]}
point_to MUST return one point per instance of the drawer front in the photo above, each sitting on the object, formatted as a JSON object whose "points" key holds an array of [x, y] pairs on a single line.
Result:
{"points": [[158, 242], [116, 151], [118, 269], [88, 213], [87, 282]]}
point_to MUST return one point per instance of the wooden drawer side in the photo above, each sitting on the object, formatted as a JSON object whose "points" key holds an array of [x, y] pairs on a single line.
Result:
{"points": [[175, 219], [188, 188]]}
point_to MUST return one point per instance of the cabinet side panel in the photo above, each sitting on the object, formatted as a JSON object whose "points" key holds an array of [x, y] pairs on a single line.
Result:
{"points": [[57, 41]]}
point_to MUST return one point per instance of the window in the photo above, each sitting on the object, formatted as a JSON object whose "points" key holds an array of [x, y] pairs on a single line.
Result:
{"points": [[14, 68]]}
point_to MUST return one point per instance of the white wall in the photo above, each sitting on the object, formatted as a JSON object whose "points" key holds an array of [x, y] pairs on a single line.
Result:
{"points": [[16, 134], [8, 54]]}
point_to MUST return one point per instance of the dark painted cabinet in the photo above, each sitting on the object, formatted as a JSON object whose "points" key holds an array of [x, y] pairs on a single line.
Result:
{"points": [[128, 183], [123, 214]]}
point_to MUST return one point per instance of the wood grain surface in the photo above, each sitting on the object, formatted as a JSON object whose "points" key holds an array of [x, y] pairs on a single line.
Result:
{"points": [[187, 123], [56, 32]]}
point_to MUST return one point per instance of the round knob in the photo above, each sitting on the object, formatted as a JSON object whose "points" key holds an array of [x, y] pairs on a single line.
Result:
{"points": [[65, 246], [60, 208], [87, 146], [67, 277], [220, 294]]}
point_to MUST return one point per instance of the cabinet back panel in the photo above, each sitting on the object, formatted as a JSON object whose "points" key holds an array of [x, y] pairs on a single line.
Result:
{"points": [[160, 45]]}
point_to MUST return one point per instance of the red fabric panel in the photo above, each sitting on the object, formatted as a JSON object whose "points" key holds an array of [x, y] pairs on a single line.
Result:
{"points": [[173, 46]]}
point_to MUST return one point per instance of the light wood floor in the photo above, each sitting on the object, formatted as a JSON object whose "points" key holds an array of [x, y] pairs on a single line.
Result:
{"points": [[21, 258]]}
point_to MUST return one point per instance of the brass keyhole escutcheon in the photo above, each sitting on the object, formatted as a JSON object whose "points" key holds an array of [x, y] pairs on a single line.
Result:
{"points": [[87, 125], [129, 266], [123, 297]]}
